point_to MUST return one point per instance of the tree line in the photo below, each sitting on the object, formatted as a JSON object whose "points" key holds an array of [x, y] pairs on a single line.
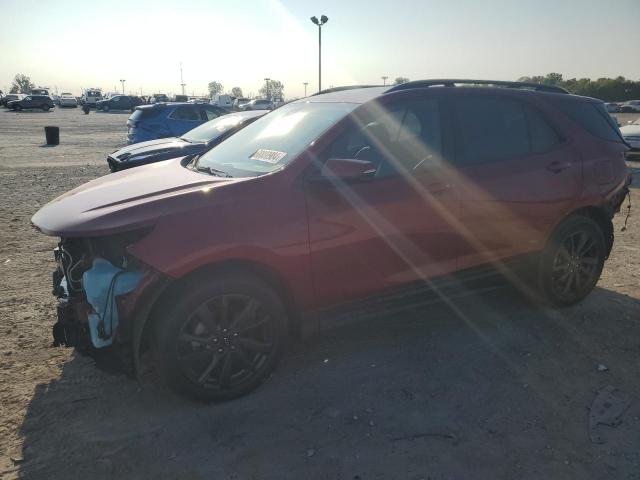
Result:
{"points": [[617, 89]]}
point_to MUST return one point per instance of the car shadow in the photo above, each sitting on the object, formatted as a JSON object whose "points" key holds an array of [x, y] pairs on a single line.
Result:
{"points": [[485, 386]]}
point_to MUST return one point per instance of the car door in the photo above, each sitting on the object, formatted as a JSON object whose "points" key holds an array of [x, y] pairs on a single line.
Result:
{"points": [[183, 119], [517, 176], [27, 102], [393, 226]]}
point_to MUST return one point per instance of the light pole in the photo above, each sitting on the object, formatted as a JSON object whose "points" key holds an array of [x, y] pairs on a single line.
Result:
{"points": [[266, 88], [122, 82], [182, 84], [384, 79], [305, 87], [323, 19]]}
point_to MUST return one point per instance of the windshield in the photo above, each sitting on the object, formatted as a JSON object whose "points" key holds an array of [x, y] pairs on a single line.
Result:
{"points": [[273, 141], [212, 129]]}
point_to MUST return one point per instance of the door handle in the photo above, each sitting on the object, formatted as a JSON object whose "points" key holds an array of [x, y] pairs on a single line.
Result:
{"points": [[557, 166]]}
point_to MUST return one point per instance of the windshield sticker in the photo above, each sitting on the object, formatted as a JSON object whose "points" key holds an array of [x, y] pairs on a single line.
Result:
{"points": [[270, 156]]}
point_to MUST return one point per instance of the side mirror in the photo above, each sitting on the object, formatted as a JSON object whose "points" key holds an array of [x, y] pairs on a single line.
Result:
{"points": [[347, 168]]}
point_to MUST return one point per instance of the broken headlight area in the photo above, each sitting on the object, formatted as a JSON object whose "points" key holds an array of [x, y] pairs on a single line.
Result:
{"points": [[91, 281]]}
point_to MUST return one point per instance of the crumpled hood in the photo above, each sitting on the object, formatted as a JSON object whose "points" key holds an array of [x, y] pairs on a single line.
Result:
{"points": [[128, 200], [152, 146]]}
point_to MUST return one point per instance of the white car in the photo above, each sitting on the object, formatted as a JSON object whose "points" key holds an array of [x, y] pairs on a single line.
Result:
{"points": [[68, 100], [631, 135], [632, 106]]}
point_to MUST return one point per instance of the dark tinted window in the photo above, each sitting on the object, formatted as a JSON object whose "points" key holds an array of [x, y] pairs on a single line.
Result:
{"points": [[210, 113], [490, 129], [397, 140], [145, 113], [185, 113], [543, 136], [593, 117]]}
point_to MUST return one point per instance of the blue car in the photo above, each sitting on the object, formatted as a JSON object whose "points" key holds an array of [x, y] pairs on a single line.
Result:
{"points": [[161, 120], [194, 142]]}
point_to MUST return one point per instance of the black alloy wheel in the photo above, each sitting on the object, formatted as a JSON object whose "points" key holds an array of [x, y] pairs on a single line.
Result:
{"points": [[222, 339], [573, 261]]}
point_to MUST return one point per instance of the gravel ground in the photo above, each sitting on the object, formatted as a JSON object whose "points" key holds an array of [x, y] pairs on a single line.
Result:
{"points": [[498, 389]]}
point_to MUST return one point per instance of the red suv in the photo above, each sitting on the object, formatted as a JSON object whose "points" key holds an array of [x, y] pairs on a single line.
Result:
{"points": [[341, 196]]}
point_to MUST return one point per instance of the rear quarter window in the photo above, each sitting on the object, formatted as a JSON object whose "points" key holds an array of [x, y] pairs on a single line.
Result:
{"points": [[592, 117]]}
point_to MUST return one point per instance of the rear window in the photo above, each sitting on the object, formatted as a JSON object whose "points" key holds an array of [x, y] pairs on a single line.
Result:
{"points": [[592, 117]]}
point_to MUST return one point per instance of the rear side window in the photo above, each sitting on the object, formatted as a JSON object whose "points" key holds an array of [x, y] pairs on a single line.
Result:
{"points": [[490, 129], [543, 136], [185, 113], [592, 117]]}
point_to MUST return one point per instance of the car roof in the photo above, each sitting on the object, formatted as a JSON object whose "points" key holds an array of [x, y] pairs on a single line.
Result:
{"points": [[349, 95], [364, 93]]}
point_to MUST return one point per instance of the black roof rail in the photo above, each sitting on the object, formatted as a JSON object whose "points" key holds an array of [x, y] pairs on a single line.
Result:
{"points": [[451, 82], [340, 89]]}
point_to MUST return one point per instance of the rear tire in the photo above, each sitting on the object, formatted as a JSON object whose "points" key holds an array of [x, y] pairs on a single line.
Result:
{"points": [[572, 261], [220, 339]]}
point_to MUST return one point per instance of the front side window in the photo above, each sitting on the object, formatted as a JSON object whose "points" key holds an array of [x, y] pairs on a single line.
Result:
{"points": [[400, 139], [273, 141]]}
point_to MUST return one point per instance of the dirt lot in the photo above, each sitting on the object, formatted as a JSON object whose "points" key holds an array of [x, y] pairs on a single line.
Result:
{"points": [[496, 389]]}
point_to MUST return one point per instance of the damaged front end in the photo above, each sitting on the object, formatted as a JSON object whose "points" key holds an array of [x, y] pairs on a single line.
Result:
{"points": [[98, 286]]}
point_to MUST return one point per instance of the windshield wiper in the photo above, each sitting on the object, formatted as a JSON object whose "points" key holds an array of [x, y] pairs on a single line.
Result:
{"points": [[213, 171]]}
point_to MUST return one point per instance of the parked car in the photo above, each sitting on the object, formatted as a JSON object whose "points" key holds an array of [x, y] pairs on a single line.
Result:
{"points": [[160, 97], [68, 100], [29, 102], [258, 104], [631, 135], [612, 107], [224, 101], [333, 202], [119, 102], [162, 120], [9, 97], [632, 106], [91, 96], [239, 103], [194, 142]]}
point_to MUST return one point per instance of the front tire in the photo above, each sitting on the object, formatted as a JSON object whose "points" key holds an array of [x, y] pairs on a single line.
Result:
{"points": [[221, 338], [105, 108], [572, 261]]}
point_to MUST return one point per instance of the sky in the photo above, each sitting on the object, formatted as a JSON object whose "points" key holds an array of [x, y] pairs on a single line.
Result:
{"points": [[75, 44]]}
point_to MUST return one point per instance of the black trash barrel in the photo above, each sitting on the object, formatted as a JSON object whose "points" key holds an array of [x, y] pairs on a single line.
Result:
{"points": [[52, 134]]}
